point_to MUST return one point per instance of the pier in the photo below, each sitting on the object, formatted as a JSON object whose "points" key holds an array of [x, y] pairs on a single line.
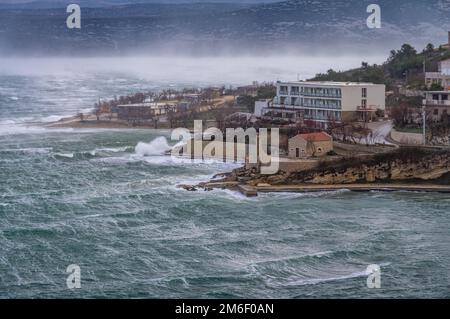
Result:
{"points": [[252, 191]]}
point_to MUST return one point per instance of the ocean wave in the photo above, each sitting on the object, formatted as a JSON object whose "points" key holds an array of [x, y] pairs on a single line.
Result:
{"points": [[52, 118], [65, 155], [289, 258], [96, 153], [31, 150], [293, 282], [159, 146], [123, 149], [15, 128]]}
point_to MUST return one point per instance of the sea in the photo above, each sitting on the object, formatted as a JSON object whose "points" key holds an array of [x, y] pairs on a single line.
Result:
{"points": [[106, 201]]}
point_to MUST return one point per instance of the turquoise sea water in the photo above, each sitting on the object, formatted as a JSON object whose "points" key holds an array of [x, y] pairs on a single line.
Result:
{"points": [[88, 197]]}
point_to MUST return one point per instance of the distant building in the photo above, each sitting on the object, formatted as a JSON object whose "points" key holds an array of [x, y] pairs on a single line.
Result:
{"points": [[323, 102], [437, 104], [184, 106], [143, 111], [447, 45], [310, 145], [261, 105], [442, 77]]}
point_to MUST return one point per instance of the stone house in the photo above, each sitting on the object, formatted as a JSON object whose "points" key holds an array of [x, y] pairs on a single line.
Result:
{"points": [[310, 145]]}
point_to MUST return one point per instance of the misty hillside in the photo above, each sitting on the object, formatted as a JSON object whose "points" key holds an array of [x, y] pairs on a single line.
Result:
{"points": [[48, 4], [306, 26]]}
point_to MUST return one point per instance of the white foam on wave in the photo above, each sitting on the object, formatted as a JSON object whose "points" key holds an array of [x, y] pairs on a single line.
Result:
{"points": [[67, 155], [53, 118], [159, 146], [314, 281], [111, 150]]}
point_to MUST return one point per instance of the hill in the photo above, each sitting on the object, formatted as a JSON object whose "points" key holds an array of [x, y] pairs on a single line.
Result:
{"points": [[404, 67], [294, 26]]}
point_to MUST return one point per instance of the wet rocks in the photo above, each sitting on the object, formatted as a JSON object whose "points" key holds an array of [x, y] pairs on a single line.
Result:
{"points": [[189, 188]]}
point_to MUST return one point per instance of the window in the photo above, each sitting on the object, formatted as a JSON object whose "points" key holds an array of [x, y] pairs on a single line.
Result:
{"points": [[444, 97], [436, 97], [364, 92], [436, 112]]}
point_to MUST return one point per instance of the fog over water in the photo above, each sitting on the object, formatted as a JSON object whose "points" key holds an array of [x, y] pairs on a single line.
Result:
{"points": [[226, 70]]}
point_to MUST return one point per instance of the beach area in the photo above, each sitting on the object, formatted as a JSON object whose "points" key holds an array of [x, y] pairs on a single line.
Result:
{"points": [[90, 121]]}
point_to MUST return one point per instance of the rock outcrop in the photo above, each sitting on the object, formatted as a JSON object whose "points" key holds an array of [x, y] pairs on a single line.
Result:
{"points": [[409, 164]]}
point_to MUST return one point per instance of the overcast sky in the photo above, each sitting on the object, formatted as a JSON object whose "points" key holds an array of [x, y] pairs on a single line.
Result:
{"points": [[135, 1]]}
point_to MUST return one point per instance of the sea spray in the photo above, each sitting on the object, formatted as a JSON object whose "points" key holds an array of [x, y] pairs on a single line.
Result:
{"points": [[159, 146]]}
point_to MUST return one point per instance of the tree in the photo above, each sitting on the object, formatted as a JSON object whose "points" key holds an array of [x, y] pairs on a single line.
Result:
{"points": [[436, 87], [429, 48], [408, 50], [247, 101], [400, 115]]}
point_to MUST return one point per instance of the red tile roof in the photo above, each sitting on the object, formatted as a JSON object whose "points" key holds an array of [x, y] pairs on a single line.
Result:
{"points": [[315, 137]]}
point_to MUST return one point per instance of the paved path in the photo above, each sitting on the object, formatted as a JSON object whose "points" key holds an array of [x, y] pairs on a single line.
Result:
{"points": [[253, 191], [381, 131]]}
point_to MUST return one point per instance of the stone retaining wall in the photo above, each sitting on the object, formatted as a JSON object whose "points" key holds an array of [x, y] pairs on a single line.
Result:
{"points": [[407, 138]]}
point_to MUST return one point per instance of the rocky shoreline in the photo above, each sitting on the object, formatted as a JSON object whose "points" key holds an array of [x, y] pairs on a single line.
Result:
{"points": [[415, 169]]}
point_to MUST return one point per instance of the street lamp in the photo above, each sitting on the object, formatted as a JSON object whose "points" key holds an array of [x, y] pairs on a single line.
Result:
{"points": [[424, 124]]}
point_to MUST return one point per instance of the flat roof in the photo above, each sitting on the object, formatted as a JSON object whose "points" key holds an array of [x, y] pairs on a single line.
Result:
{"points": [[331, 83]]}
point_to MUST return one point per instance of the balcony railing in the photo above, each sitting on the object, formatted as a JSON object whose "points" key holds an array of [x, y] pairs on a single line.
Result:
{"points": [[336, 96], [437, 102], [331, 107]]}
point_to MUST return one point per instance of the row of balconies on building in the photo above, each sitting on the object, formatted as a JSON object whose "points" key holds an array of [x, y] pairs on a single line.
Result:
{"points": [[437, 102], [313, 115], [305, 103], [326, 95]]}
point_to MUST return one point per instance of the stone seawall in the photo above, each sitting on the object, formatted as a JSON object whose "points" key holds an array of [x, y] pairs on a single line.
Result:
{"points": [[407, 138]]}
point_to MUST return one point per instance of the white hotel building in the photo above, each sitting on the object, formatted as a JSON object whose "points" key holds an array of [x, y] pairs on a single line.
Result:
{"points": [[323, 102]]}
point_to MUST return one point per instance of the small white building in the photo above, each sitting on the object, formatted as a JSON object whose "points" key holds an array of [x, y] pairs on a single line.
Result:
{"points": [[260, 105], [442, 77], [437, 104]]}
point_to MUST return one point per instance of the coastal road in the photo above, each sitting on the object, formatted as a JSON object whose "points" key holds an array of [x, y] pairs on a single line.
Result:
{"points": [[381, 131]]}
